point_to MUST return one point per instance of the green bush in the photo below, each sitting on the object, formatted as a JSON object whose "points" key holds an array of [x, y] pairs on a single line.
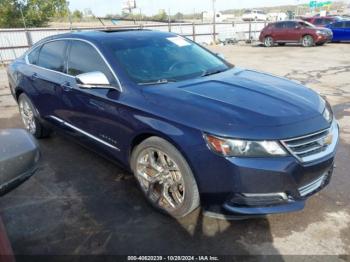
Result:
{"points": [[36, 13]]}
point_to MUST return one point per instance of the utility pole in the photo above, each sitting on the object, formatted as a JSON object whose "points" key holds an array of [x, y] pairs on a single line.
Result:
{"points": [[214, 21], [69, 16], [24, 21]]}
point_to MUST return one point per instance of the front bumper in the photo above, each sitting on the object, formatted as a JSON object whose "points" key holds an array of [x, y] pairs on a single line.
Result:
{"points": [[323, 38], [260, 186]]}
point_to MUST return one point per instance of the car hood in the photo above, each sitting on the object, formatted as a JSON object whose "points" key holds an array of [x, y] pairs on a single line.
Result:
{"points": [[241, 103], [324, 28]]}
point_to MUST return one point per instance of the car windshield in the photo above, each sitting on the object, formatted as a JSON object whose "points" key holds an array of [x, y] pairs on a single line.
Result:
{"points": [[157, 59], [307, 24]]}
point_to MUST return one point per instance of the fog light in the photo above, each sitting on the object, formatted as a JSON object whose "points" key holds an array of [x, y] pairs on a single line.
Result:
{"points": [[281, 195], [259, 199]]}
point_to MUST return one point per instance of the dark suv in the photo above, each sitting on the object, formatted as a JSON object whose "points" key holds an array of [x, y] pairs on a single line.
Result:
{"points": [[294, 32]]}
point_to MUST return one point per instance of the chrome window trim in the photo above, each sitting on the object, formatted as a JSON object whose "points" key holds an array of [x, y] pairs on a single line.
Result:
{"points": [[120, 88], [61, 121]]}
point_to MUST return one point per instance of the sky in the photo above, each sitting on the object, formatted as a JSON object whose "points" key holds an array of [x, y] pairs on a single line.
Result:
{"points": [[103, 7]]}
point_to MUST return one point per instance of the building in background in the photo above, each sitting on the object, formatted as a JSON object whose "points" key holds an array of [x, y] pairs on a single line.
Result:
{"points": [[219, 17], [277, 16]]}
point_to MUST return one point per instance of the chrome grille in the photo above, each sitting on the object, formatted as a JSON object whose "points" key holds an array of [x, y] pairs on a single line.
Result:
{"points": [[314, 146]]}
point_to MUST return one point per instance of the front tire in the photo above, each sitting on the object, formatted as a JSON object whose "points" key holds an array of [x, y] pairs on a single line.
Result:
{"points": [[165, 177], [307, 41], [30, 118], [268, 41]]}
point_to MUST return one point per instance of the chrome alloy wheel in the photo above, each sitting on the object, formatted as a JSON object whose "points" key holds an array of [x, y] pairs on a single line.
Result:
{"points": [[160, 179], [308, 41], [268, 41], [27, 116]]}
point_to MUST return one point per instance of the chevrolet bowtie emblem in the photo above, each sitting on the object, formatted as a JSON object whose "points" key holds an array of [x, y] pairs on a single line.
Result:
{"points": [[326, 141]]}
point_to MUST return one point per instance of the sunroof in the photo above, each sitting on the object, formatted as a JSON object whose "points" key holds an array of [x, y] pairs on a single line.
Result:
{"points": [[113, 30]]}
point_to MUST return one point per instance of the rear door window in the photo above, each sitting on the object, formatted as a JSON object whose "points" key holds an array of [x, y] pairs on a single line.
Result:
{"points": [[347, 24], [33, 56], [279, 25], [290, 24], [52, 56]]}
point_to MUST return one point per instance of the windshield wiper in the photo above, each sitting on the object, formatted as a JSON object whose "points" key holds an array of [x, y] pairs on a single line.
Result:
{"points": [[158, 82], [213, 72]]}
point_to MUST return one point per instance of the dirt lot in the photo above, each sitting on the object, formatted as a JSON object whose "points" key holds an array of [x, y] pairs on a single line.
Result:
{"points": [[79, 203]]}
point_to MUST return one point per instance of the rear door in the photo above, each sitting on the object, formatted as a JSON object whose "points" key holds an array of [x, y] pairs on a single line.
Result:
{"points": [[279, 32], [47, 63]]}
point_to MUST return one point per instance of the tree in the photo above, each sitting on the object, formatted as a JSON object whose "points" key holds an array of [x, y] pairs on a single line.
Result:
{"points": [[179, 16], [10, 15], [161, 16], [35, 12], [77, 15]]}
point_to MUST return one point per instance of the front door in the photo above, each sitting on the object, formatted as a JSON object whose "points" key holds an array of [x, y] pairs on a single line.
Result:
{"points": [[294, 31], [338, 31], [92, 112]]}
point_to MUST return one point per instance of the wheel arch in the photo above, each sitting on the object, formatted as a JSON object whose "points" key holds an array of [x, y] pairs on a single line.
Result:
{"points": [[305, 34], [145, 134], [18, 92]]}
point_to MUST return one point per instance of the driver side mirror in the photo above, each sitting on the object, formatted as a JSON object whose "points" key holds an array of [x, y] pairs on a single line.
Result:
{"points": [[93, 80], [298, 27], [18, 159]]}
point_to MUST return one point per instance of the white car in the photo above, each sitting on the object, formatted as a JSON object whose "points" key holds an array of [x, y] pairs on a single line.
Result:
{"points": [[254, 15]]}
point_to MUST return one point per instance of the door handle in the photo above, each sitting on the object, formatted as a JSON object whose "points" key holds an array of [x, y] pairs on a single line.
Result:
{"points": [[66, 86], [34, 76]]}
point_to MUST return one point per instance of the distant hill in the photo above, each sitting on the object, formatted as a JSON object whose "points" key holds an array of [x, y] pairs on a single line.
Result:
{"points": [[301, 9]]}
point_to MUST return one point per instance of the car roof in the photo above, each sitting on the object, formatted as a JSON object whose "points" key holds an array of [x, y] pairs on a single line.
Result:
{"points": [[295, 20], [97, 36]]}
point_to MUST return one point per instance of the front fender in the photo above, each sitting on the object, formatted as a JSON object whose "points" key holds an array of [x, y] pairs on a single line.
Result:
{"points": [[185, 139]]}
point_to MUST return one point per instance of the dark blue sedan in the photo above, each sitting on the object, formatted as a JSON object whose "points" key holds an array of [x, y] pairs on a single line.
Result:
{"points": [[341, 31], [193, 128]]}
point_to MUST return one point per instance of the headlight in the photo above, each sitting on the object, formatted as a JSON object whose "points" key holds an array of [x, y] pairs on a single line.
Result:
{"points": [[320, 32], [327, 112], [244, 148]]}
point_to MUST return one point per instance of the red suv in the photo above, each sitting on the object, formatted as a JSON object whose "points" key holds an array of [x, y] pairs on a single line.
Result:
{"points": [[294, 32]]}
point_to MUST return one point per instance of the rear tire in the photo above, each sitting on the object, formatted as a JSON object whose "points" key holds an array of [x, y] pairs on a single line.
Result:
{"points": [[165, 177], [30, 118], [268, 41], [307, 41]]}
